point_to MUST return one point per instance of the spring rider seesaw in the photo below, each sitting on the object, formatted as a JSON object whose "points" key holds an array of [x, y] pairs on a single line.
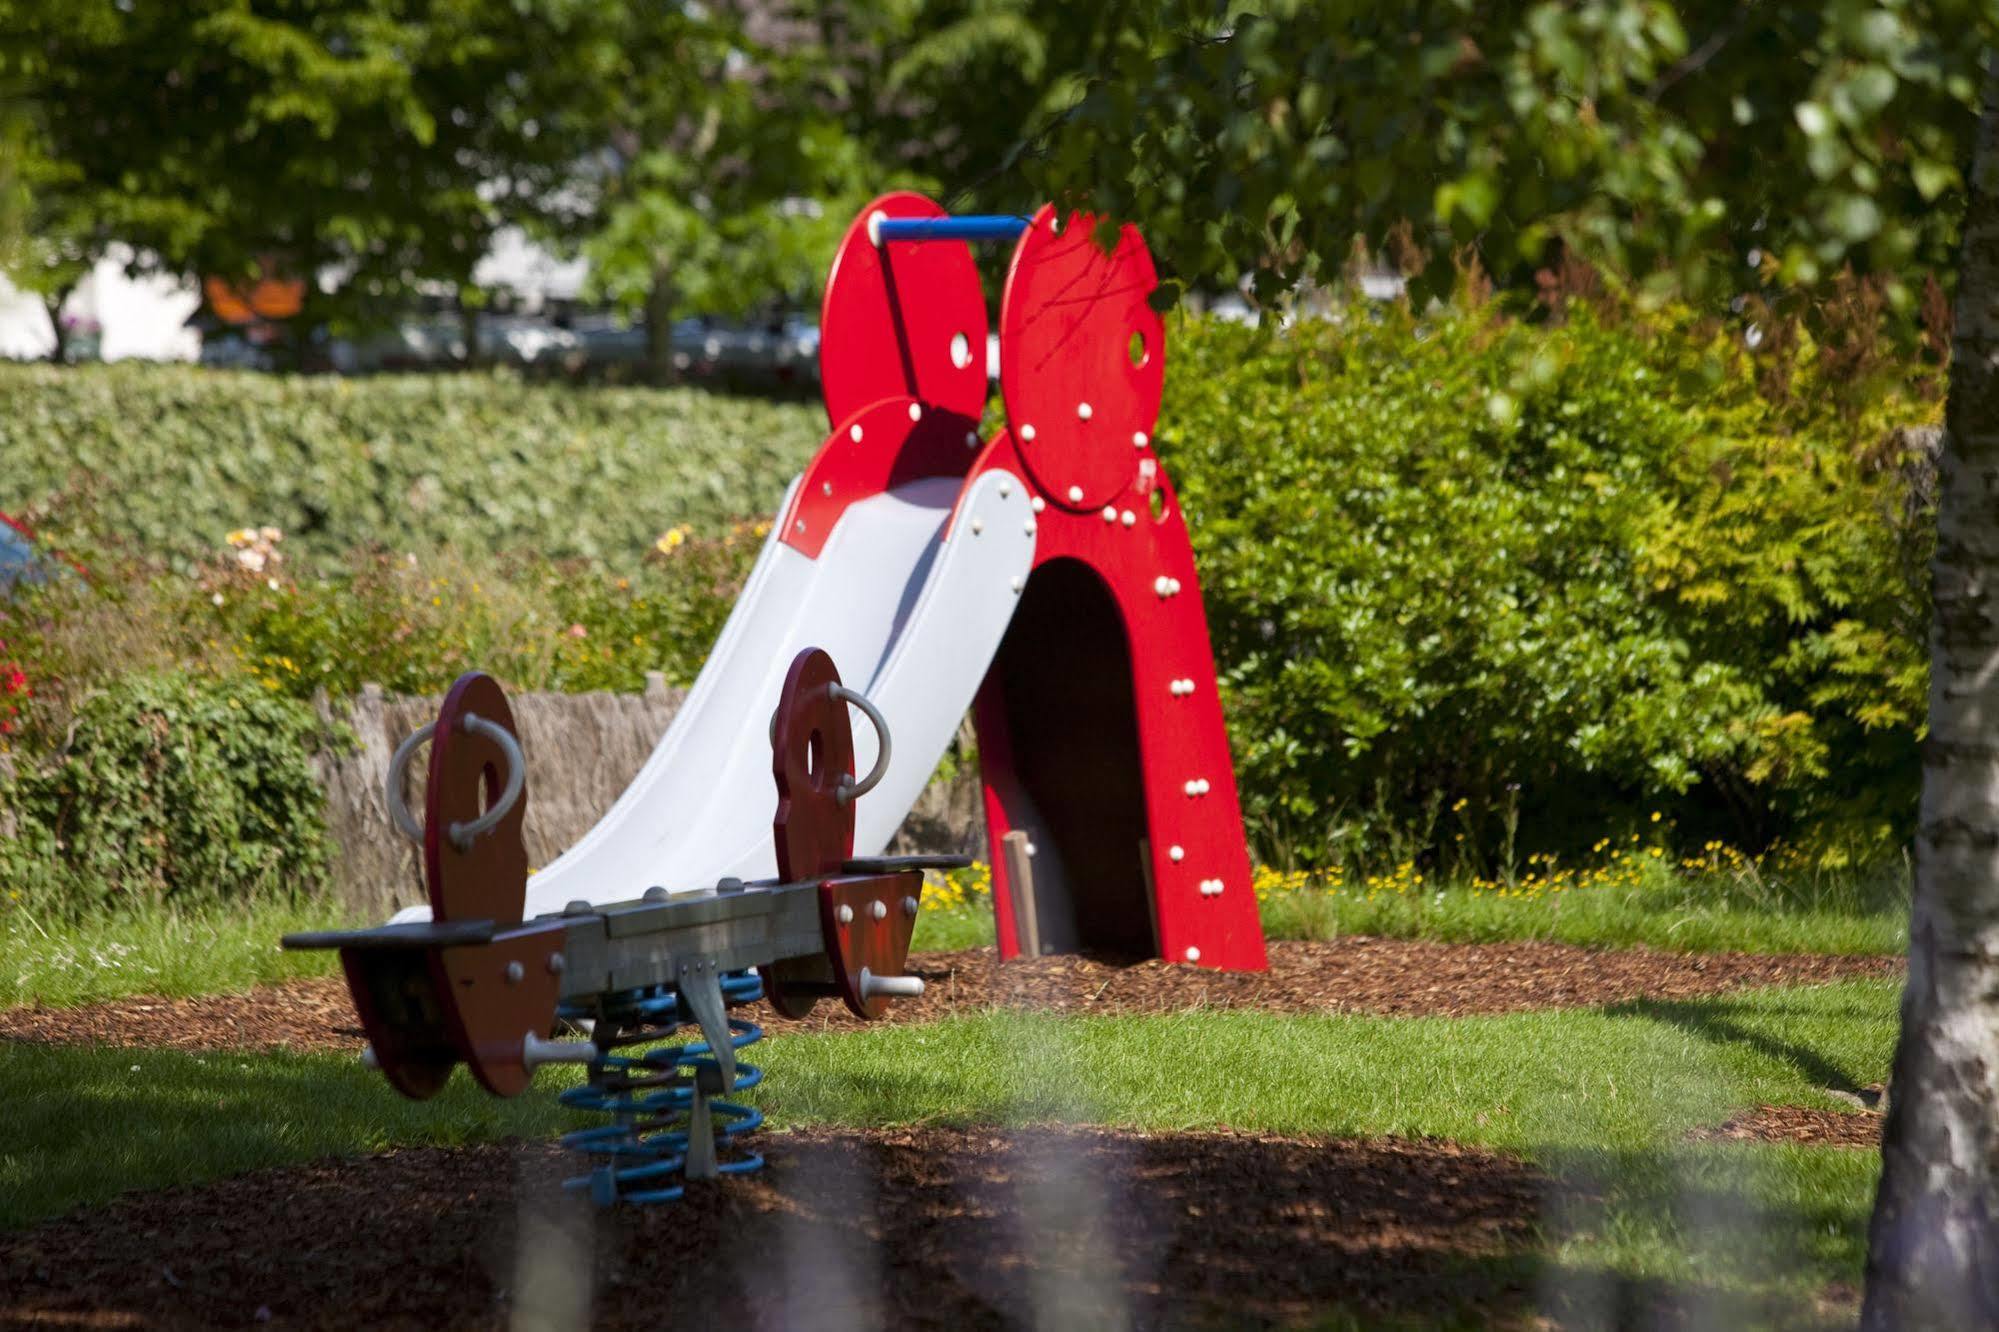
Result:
{"points": [[476, 983], [1041, 577]]}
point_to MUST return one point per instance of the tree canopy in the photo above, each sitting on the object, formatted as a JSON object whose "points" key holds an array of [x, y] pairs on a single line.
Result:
{"points": [[704, 156], [1676, 144]]}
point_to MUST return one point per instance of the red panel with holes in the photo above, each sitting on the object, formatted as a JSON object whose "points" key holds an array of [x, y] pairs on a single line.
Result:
{"points": [[1190, 866], [903, 321], [1101, 732], [875, 450], [1082, 357]]}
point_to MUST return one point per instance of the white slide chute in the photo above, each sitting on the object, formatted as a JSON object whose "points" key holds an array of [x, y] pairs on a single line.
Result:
{"points": [[910, 596]]}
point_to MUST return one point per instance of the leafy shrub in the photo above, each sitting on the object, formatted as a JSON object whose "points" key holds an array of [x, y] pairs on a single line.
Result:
{"points": [[14, 691], [171, 788], [1478, 587], [165, 460], [413, 626]]}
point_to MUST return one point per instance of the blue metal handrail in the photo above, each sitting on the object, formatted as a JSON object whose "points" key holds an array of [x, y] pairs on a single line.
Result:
{"points": [[966, 227]]}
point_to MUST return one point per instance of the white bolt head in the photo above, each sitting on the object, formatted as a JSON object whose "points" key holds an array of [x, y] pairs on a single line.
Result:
{"points": [[1005, 489], [1017, 583], [1193, 953], [875, 220], [1163, 585], [1127, 517], [878, 909], [1075, 494], [1110, 513], [971, 439], [1176, 854], [854, 432], [1027, 433], [1030, 848], [1204, 786], [800, 524], [978, 526], [556, 963], [845, 915], [908, 906], [916, 411], [1083, 412], [1028, 527], [1192, 788], [1173, 586], [1039, 504], [515, 973], [1138, 439], [825, 487]]}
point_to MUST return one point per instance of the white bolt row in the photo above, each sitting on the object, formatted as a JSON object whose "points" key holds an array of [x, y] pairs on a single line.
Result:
{"points": [[1166, 587], [1211, 887], [1180, 688], [1197, 787]]}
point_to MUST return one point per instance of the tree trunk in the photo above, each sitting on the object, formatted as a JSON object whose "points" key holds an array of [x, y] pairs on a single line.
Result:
{"points": [[59, 353], [1933, 1247], [659, 328]]}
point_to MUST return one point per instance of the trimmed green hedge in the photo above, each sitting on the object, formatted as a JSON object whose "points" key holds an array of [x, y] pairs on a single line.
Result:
{"points": [[1479, 587], [166, 460]]}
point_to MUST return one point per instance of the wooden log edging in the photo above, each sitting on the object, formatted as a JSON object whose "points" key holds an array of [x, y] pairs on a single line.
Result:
{"points": [[582, 751]]}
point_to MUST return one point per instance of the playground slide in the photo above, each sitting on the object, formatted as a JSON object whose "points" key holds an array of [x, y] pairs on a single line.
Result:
{"points": [[910, 596]]}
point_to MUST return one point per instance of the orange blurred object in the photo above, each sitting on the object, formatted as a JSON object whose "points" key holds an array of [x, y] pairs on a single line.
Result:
{"points": [[268, 298]]}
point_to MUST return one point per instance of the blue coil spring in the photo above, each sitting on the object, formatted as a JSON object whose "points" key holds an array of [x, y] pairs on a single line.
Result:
{"points": [[641, 1155]]}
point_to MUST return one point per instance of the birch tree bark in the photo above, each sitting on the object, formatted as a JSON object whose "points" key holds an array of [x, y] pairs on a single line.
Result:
{"points": [[1933, 1246]]}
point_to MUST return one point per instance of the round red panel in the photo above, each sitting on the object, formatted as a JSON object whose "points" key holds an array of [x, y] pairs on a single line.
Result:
{"points": [[1082, 358], [904, 320], [468, 771], [812, 752]]}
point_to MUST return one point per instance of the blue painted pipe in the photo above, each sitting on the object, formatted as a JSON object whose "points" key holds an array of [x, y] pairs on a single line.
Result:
{"points": [[968, 227]]}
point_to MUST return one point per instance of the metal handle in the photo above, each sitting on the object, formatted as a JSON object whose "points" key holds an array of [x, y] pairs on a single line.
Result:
{"points": [[461, 834], [850, 790]]}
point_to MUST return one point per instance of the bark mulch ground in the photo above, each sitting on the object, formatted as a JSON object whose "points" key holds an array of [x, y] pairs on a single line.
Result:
{"points": [[1794, 1123], [1352, 975], [928, 1228]]}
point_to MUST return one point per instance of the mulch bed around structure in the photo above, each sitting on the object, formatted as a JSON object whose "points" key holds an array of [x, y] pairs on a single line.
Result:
{"points": [[927, 1228], [1795, 1123], [1351, 975]]}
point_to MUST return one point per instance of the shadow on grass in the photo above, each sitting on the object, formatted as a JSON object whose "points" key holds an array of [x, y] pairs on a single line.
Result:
{"points": [[83, 1124], [1714, 1021]]}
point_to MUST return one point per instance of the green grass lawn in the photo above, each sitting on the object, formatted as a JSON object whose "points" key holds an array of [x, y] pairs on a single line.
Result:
{"points": [[1666, 911], [156, 950], [1601, 1099]]}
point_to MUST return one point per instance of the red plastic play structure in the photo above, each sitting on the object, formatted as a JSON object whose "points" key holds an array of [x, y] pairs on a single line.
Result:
{"points": [[1052, 557], [1099, 724]]}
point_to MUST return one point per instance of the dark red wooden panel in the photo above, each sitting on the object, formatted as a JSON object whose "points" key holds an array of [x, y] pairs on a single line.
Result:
{"points": [[1080, 404], [868, 923], [812, 752], [489, 879], [907, 320]]}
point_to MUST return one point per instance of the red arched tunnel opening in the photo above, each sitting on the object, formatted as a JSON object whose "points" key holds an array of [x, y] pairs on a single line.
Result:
{"points": [[1059, 749]]}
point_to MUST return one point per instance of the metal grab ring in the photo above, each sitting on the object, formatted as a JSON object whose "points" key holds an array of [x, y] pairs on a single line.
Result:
{"points": [[851, 790], [461, 834]]}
